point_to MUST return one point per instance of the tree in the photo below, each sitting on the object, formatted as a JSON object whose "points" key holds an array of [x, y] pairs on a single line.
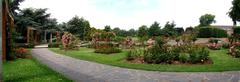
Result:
{"points": [[142, 31], [116, 30], [234, 12], [78, 26], [132, 32], [179, 31], [14, 6], [154, 29], [206, 20], [107, 28], [169, 30], [37, 18]]}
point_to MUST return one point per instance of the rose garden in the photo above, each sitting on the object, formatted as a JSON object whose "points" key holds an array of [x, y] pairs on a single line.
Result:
{"points": [[204, 48]]}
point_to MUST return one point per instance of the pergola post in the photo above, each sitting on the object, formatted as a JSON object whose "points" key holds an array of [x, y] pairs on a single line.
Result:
{"points": [[4, 32], [45, 36], [1, 40], [50, 37]]}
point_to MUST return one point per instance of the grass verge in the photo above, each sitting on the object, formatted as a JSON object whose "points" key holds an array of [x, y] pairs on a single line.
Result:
{"points": [[30, 70], [222, 61]]}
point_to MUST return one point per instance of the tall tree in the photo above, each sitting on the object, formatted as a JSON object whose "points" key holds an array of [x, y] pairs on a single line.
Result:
{"points": [[107, 28], [14, 6], [78, 26], [169, 30], [37, 18], [116, 30], [132, 32], [234, 12], [142, 31], [154, 29], [206, 20]]}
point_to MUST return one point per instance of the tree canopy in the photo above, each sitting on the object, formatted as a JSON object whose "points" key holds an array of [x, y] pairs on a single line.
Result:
{"points": [[154, 29], [206, 20], [234, 12], [78, 26], [107, 28], [169, 30]]}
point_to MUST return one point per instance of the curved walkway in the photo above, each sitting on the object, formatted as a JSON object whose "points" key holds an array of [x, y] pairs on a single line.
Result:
{"points": [[85, 71]]}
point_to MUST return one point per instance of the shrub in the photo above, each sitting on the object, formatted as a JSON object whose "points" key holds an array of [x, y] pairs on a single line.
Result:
{"points": [[226, 45], [69, 41], [30, 45], [21, 52], [198, 55], [236, 30], [184, 57], [214, 46], [53, 45], [213, 41], [133, 54], [208, 32], [107, 50]]}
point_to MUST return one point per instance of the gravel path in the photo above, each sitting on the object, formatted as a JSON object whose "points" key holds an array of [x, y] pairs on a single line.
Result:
{"points": [[85, 71]]}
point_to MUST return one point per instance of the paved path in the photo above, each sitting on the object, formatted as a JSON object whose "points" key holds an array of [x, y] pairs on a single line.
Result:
{"points": [[84, 71]]}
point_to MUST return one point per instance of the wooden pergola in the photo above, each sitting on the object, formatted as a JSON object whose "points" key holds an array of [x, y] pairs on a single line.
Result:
{"points": [[7, 25]]}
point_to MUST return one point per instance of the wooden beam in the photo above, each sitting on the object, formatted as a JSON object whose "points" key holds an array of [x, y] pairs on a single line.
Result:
{"points": [[4, 31]]}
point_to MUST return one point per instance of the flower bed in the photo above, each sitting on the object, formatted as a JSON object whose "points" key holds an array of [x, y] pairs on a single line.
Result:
{"points": [[160, 53]]}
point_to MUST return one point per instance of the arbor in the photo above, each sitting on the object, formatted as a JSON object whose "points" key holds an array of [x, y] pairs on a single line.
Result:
{"points": [[206, 20], [78, 26], [154, 29], [107, 28], [234, 12], [37, 18]]}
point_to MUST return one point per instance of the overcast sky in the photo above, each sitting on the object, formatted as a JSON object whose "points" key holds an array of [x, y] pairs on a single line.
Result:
{"points": [[128, 14]]}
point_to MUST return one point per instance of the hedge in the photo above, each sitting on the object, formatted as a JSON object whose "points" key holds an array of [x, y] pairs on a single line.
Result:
{"points": [[208, 32], [236, 30]]}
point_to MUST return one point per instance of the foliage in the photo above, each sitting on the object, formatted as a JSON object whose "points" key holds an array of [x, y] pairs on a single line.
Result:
{"points": [[142, 31], [169, 30], [236, 30], [226, 45], [69, 41], [214, 46], [234, 11], [179, 31], [54, 45], [134, 54], [198, 55], [78, 26], [189, 30], [209, 32], [184, 57], [154, 29], [107, 48], [37, 18], [107, 28], [222, 61], [21, 52], [159, 53], [206, 20]]}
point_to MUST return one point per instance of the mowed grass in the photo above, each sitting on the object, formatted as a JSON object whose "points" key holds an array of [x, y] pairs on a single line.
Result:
{"points": [[222, 61], [29, 70]]}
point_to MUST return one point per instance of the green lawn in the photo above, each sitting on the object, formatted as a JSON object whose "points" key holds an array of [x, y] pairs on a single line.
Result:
{"points": [[29, 70], [222, 61]]}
